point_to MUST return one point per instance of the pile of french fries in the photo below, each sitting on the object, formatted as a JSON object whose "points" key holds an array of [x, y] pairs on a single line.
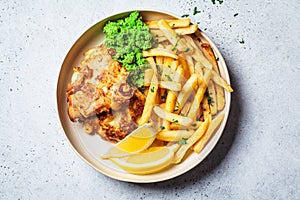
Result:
{"points": [[184, 89]]}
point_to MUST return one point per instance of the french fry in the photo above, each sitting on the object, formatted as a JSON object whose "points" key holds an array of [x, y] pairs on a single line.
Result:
{"points": [[148, 77], [210, 131], [213, 97], [159, 52], [206, 108], [150, 100], [150, 60], [190, 62], [184, 22], [166, 69], [208, 52], [190, 142], [159, 60], [179, 75], [171, 96], [197, 53], [186, 108], [187, 30], [185, 121], [174, 135], [170, 85], [186, 91], [199, 72], [195, 125], [199, 95], [185, 67], [221, 82], [157, 33], [171, 35], [174, 23]]}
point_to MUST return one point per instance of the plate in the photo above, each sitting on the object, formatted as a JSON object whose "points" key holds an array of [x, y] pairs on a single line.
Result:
{"points": [[90, 147]]}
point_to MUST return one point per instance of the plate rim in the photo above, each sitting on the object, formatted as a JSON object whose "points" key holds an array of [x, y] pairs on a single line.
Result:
{"points": [[221, 127]]}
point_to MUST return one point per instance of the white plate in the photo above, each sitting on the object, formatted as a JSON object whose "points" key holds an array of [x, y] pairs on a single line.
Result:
{"points": [[90, 147]]}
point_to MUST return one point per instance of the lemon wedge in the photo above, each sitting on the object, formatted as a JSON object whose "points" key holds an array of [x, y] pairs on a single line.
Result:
{"points": [[137, 141], [150, 161]]}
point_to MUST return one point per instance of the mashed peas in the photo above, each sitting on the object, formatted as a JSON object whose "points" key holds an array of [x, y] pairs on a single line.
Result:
{"points": [[128, 37]]}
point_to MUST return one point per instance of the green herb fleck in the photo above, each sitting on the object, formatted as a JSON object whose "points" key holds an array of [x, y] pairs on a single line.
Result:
{"points": [[236, 14], [196, 11], [183, 141], [194, 125], [175, 120], [181, 114], [209, 98], [152, 89], [164, 96], [162, 127], [214, 1], [168, 77], [242, 41], [185, 15], [172, 25], [187, 49], [177, 106], [217, 59]]}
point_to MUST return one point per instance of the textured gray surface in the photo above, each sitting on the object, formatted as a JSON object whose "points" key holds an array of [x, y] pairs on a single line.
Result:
{"points": [[258, 156]]}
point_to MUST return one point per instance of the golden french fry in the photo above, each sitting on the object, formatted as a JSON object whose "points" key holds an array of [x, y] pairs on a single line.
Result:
{"points": [[174, 135], [190, 62], [221, 82], [206, 109], [197, 53], [185, 121], [211, 129], [159, 52], [186, 108], [187, 30], [167, 75], [213, 97], [220, 100], [150, 100], [186, 91], [171, 96], [171, 35], [194, 125], [157, 33], [208, 52], [190, 142], [173, 23], [199, 72], [199, 95], [148, 77], [170, 85], [150, 60], [185, 67], [159, 60]]}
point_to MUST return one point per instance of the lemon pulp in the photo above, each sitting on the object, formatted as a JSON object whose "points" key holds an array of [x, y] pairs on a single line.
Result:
{"points": [[138, 141], [135, 142]]}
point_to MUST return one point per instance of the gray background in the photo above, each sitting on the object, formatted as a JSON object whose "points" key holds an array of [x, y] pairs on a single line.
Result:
{"points": [[258, 156]]}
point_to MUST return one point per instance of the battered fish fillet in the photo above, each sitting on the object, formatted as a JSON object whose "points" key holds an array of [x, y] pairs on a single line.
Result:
{"points": [[101, 99]]}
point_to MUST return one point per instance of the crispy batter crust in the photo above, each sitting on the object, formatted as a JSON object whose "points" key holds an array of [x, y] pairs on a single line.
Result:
{"points": [[100, 98]]}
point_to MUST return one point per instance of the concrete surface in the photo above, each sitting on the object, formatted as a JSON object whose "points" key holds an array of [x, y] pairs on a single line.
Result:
{"points": [[258, 156]]}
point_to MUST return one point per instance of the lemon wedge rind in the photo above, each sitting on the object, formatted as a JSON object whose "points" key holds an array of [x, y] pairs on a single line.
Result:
{"points": [[146, 163]]}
